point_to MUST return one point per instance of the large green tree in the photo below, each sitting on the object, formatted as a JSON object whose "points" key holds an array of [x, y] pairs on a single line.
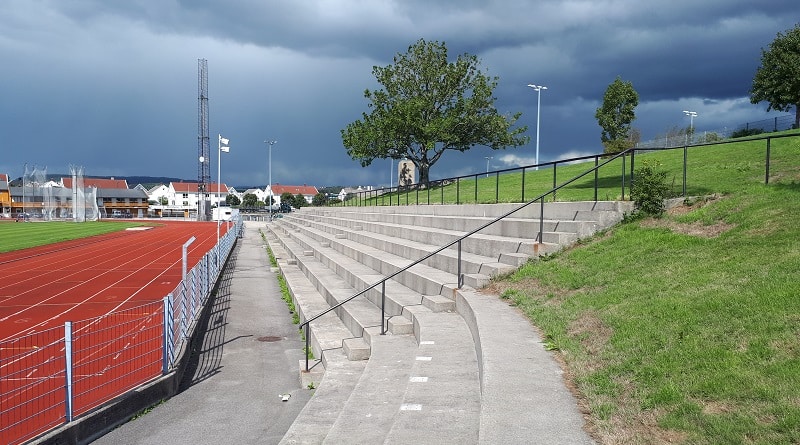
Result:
{"points": [[428, 106], [616, 115], [777, 80]]}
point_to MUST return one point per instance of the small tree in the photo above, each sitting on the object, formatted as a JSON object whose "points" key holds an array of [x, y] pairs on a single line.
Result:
{"points": [[300, 201], [427, 107], [163, 200], [650, 188], [320, 199], [249, 200], [288, 198], [232, 200], [777, 80], [616, 115]]}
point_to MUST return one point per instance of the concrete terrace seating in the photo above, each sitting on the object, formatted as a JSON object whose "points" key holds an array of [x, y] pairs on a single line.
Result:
{"points": [[455, 365]]}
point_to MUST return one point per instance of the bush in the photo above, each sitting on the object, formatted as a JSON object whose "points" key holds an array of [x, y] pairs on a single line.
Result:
{"points": [[746, 132], [650, 188]]}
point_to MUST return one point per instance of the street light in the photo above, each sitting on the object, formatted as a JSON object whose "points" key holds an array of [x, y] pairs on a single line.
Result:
{"points": [[222, 146], [270, 143], [538, 89], [691, 115], [488, 158]]}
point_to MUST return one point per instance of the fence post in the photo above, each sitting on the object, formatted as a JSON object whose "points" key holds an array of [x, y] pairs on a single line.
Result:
{"points": [[460, 275], [166, 357], [68, 369]]}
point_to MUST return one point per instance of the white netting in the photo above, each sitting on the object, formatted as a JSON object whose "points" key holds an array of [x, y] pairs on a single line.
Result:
{"points": [[78, 198]]}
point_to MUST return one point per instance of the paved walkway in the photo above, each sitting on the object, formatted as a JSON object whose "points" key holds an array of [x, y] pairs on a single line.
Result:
{"points": [[249, 358]]}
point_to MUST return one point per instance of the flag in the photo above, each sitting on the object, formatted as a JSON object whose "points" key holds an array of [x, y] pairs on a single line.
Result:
{"points": [[223, 140], [225, 149]]}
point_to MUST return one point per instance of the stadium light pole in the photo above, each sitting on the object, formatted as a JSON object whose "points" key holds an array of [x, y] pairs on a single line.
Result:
{"points": [[691, 115], [538, 89], [270, 143], [222, 146]]}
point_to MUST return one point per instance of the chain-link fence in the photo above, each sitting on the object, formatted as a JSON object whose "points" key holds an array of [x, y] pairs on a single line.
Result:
{"points": [[678, 137]]}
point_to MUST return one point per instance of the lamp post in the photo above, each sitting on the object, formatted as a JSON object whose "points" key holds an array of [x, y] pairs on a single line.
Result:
{"points": [[222, 145], [488, 158], [538, 89], [270, 143], [691, 115]]}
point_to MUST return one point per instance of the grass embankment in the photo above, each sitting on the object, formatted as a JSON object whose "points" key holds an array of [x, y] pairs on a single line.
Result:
{"points": [[685, 329], [709, 170], [16, 236]]}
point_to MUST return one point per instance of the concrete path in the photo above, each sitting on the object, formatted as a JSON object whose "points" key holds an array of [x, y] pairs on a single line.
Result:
{"points": [[249, 357]]}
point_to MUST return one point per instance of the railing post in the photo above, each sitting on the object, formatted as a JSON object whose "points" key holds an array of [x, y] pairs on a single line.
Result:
{"points": [[766, 177], [554, 181], [523, 184], [633, 155], [460, 275], [458, 191], [308, 326], [68, 370], [496, 187], [476, 188], [596, 179], [383, 308], [541, 220], [685, 167], [623, 177]]}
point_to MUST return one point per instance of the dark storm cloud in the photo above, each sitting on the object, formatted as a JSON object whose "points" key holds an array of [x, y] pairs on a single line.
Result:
{"points": [[112, 86]]}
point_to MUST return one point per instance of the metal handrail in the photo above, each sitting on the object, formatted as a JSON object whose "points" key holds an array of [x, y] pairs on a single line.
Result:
{"points": [[362, 197], [306, 324], [540, 198]]}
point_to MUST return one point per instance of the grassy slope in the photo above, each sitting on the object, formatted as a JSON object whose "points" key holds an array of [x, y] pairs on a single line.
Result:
{"points": [[682, 338], [16, 236]]}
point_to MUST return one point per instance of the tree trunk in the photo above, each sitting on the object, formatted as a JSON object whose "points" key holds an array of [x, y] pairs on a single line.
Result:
{"points": [[423, 173], [796, 116]]}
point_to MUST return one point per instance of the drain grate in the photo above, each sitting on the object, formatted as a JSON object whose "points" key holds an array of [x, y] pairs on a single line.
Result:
{"points": [[269, 338]]}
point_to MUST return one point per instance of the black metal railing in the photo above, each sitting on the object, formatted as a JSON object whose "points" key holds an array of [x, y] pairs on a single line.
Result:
{"points": [[627, 173]]}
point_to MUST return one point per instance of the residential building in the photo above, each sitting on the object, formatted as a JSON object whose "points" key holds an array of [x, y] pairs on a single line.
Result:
{"points": [[307, 191]]}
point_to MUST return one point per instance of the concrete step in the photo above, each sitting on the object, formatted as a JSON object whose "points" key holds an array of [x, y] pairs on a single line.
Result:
{"points": [[477, 375], [409, 249]]}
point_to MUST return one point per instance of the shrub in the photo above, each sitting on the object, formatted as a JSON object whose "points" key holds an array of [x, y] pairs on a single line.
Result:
{"points": [[650, 188], [746, 132]]}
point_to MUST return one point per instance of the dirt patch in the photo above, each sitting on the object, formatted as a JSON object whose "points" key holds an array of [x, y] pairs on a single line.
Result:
{"points": [[693, 229], [591, 332], [697, 229]]}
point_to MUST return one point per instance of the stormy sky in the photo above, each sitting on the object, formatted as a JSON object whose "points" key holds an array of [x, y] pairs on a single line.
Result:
{"points": [[113, 85]]}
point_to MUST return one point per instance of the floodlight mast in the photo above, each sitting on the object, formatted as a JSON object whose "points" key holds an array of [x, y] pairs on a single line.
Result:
{"points": [[270, 143], [538, 89]]}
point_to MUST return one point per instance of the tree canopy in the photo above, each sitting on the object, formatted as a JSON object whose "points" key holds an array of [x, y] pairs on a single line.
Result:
{"points": [[249, 200], [616, 115], [428, 106], [777, 80]]}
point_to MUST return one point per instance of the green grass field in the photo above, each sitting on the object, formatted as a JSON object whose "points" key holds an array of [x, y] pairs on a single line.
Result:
{"points": [[16, 236], [685, 329]]}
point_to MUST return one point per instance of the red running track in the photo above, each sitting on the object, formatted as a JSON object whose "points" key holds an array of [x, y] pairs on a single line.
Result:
{"points": [[121, 277], [46, 286]]}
